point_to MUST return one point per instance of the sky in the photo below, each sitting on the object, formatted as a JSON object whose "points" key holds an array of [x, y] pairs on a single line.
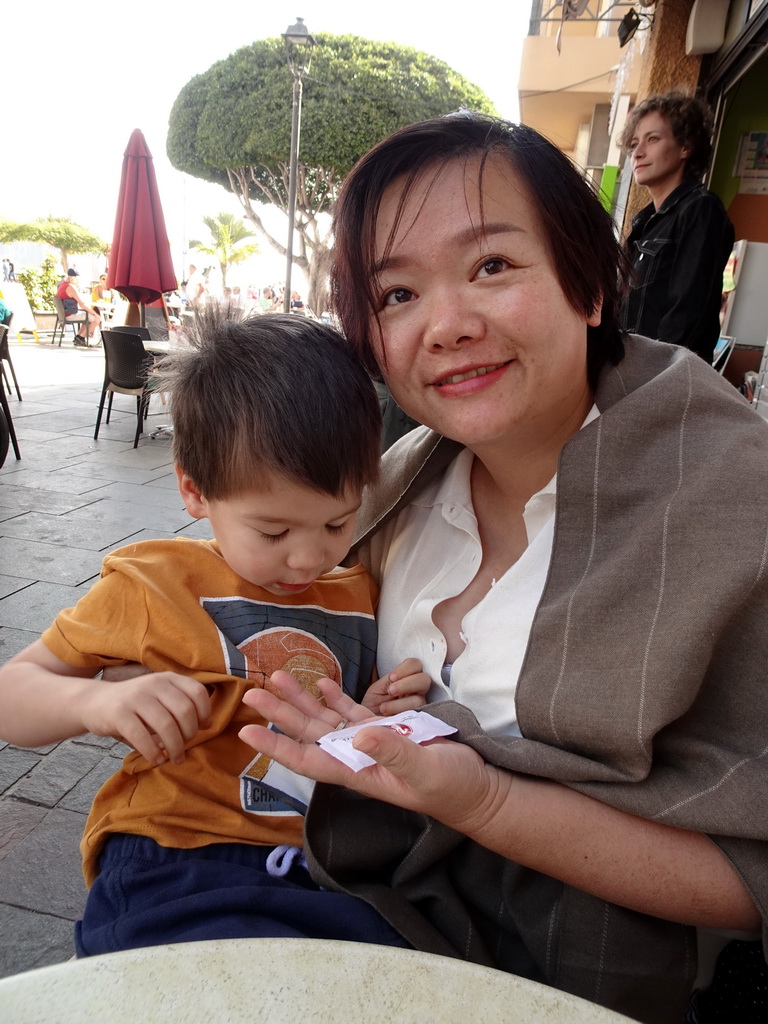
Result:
{"points": [[77, 80]]}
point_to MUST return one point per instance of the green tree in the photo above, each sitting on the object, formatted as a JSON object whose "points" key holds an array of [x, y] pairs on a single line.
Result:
{"points": [[227, 231], [61, 232], [232, 125], [40, 283]]}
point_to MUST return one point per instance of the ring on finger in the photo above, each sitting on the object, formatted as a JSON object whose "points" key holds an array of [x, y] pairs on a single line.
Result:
{"points": [[342, 724]]}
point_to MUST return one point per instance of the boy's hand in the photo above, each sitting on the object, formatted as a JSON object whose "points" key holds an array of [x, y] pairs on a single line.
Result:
{"points": [[402, 689], [156, 713]]}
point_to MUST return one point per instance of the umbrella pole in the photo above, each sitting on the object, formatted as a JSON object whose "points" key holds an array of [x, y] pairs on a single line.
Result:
{"points": [[142, 317]]}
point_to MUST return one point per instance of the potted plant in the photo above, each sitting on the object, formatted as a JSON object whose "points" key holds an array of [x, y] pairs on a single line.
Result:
{"points": [[40, 284]]}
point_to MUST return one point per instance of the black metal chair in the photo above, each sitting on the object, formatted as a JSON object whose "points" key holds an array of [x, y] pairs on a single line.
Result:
{"points": [[126, 371], [140, 332], [145, 335], [157, 321], [4, 436], [6, 429], [5, 357], [65, 319]]}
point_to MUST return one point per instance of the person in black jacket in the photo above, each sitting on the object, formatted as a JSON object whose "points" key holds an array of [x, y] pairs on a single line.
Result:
{"points": [[681, 240]]}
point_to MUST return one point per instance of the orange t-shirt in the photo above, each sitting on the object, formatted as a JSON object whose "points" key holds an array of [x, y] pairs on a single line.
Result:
{"points": [[175, 605]]}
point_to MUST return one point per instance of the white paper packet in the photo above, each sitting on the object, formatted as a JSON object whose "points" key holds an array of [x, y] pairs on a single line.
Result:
{"points": [[418, 726]]}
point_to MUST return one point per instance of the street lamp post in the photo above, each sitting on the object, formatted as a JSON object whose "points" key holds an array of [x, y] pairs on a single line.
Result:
{"points": [[298, 45]]}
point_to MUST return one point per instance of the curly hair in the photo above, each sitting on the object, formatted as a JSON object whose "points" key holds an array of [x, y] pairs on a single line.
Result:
{"points": [[690, 120]]}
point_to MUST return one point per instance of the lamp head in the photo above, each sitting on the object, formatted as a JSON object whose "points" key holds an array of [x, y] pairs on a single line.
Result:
{"points": [[298, 44], [628, 25]]}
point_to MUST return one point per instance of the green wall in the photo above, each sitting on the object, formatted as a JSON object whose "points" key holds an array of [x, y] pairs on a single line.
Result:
{"points": [[746, 111]]}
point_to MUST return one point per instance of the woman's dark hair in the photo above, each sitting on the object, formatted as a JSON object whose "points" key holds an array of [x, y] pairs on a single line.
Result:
{"points": [[690, 120], [590, 265]]}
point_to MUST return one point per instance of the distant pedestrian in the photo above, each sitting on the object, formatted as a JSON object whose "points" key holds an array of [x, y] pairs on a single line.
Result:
{"points": [[225, 302], [269, 302], [195, 287], [6, 271], [11, 271]]}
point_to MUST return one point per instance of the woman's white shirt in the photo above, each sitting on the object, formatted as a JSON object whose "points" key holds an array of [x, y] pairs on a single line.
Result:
{"points": [[430, 552]]}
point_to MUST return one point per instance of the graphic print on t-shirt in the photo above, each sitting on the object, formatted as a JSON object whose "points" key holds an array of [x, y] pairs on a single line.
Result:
{"points": [[257, 639]]}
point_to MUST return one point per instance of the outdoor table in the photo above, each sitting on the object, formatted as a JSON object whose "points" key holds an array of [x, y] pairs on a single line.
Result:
{"points": [[157, 348], [283, 981], [107, 311]]}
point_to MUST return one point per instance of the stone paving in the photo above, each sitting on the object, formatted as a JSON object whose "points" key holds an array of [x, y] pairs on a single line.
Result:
{"points": [[62, 507]]}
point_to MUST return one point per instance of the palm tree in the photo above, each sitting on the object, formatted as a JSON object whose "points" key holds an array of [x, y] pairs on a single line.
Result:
{"points": [[227, 231]]}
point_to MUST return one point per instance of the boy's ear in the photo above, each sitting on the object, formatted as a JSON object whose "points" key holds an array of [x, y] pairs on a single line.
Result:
{"points": [[194, 502]]}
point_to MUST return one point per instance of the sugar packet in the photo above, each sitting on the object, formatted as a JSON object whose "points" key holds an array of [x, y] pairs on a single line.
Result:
{"points": [[418, 726]]}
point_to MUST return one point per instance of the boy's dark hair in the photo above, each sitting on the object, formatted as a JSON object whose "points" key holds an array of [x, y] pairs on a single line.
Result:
{"points": [[690, 120], [260, 395], [587, 258]]}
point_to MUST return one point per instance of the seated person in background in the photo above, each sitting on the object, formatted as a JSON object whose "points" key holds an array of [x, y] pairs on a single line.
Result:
{"points": [[269, 302], [73, 301], [195, 837], [681, 241], [297, 304], [100, 292], [101, 297]]}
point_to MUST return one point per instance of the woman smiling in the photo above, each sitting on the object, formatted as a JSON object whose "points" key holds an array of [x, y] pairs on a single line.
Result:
{"points": [[564, 546]]}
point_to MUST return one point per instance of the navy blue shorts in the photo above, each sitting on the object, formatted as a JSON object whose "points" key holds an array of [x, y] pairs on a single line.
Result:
{"points": [[148, 895]]}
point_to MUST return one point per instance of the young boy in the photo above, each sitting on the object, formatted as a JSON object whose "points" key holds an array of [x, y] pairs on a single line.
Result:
{"points": [[276, 432]]}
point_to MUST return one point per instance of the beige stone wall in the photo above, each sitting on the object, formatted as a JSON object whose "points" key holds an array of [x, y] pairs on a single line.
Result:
{"points": [[559, 115], [665, 66]]}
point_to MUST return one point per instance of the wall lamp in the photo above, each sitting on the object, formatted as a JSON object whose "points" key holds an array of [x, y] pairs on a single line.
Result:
{"points": [[628, 25]]}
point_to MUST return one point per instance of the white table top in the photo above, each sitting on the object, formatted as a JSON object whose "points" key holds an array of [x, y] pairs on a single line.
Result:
{"points": [[284, 981], [157, 348]]}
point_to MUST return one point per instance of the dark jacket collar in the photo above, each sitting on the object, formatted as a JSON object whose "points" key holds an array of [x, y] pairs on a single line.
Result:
{"points": [[685, 187]]}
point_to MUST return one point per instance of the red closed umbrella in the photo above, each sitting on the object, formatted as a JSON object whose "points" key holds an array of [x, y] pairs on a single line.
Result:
{"points": [[140, 264]]}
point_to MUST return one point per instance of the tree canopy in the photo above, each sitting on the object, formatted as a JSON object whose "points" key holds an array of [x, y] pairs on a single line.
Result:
{"points": [[60, 232], [232, 124]]}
